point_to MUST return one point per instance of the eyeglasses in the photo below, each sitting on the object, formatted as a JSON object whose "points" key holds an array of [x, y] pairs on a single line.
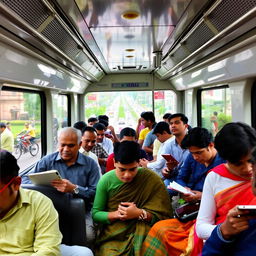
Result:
{"points": [[7, 185]]}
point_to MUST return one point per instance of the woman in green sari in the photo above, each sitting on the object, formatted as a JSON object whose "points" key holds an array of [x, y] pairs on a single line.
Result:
{"points": [[128, 201]]}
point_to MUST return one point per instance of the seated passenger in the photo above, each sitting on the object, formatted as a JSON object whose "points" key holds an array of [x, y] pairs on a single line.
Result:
{"points": [[80, 174], [88, 142], [128, 201], [28, 221], [125, 134], [178, 126], [236, 236], [173, 236], [228, 184], [163, 134]]}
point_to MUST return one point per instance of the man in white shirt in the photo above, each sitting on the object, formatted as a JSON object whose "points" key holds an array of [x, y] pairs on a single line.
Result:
{"points": [[106, 143], [163, 134], [88, 142]]}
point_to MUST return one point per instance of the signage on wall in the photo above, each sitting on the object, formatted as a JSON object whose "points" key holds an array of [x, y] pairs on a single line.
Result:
{"points": [[129, 85]]}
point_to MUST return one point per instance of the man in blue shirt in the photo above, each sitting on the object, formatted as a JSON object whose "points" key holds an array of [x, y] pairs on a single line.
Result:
{"points": [[202, 158], [236, 236], [79, 173]]}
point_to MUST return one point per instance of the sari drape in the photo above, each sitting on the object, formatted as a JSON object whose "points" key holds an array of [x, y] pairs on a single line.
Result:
{"points": [[148, 192], [172, 237]]}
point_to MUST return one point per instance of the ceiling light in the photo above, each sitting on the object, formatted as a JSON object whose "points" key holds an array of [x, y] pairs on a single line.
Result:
{"points": [[130, 15], [130, 50]]}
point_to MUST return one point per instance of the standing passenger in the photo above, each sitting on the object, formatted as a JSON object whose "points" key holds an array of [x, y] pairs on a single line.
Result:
{"points": [[128, 201], [7, 140]]}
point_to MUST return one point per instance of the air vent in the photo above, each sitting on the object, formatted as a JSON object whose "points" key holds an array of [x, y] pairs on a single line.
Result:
{"points": [[33, 12]]}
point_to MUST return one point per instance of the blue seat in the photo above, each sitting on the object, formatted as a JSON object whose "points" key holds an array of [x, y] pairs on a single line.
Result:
{"points": [[71, 214]]}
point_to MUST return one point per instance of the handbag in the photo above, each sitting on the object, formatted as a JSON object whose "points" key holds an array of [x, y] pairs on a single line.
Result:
{"points": [[187, 212]]}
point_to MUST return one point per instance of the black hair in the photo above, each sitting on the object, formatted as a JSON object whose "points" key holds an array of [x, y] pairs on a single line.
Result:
{"points": [[166, 115], [127, 131], [80, 125], [148, 116], [92, 119], [235, 141], [161, 127], [89, 129], [127, 152], [103, 117], [8, 166], [197, 137], [183, 118], [2, 125], [104, 122], [99, 126], [254, 156]]}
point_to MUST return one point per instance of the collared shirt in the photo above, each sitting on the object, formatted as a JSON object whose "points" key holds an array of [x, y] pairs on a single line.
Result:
{"points": [[159, 164], [91, 155], [99, 151], [84, 172], [107, 144], [7, 140], [179, 154], [149, 140], [31, 227], [193, 174], [143, 133]]}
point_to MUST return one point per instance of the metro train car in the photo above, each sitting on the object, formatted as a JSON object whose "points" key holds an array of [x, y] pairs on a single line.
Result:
{"points": [[63, 61]]}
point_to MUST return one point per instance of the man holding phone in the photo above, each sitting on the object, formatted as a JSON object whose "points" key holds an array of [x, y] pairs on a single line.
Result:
{"points": [[236, 236]]}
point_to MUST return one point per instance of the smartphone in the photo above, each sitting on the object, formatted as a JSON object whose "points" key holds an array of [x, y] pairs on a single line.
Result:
{"points": [[250, 208], [170, 158]]}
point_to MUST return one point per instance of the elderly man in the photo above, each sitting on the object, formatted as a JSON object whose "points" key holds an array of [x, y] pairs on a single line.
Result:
{"points": [[28, 221], [80, 174]]}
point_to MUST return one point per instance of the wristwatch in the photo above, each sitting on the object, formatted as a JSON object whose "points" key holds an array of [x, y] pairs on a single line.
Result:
{"points": [[76, 190]]}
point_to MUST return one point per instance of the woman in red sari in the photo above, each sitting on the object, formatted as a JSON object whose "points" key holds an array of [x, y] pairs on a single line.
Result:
{"points": [[226, 186]]}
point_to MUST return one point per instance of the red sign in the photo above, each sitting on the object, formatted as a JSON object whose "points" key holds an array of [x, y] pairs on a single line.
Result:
{"points": [[92, 97], [159, 95]]}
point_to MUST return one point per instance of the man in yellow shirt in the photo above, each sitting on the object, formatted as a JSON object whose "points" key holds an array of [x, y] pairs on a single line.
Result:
{"points": [[29, 133], [7, 140], [29, 223]]}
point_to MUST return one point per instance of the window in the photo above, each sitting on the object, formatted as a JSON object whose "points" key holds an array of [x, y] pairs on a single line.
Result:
{"points": [[253, 105], [124, 108], [21, 111], [60, 116], [214, 108], [164, 102]]}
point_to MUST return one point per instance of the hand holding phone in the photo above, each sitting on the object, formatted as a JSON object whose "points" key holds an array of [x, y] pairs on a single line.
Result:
{"points": [[250, 209], [170, 158]]}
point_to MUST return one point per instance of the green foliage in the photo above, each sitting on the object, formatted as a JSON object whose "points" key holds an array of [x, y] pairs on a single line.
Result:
{"points": [[32, 105]]}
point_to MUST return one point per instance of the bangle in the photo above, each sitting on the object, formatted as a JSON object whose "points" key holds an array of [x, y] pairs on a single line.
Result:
{"points": [[143, 215]]}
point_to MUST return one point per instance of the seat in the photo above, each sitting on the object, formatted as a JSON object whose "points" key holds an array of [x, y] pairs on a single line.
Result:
{"points": [[71, 214]]}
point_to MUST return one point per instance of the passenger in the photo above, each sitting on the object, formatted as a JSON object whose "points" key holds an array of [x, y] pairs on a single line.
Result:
{"points": [[7, 139], [128, 201], [228, 184], [157, 143], [79, 173], [88, 142], [148, 119], [29, 133], [139, 128], [163, 134], [106, 143], [178, 126], [80, 125], [166, 117], [92, 120], [28, 221], [109, 130], [236, 236], [202, 158], [125, 134]]}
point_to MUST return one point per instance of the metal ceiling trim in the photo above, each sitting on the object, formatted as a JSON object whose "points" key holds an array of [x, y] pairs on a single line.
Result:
{"points": [[249, 15], [33, 31]]}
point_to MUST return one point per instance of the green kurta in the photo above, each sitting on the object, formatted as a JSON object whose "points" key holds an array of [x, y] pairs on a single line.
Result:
{"points": [[147, 191]]}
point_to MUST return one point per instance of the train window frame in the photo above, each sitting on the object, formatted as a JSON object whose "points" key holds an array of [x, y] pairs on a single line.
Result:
{"points": [[43, 119], [199, 101], [253, 105]]}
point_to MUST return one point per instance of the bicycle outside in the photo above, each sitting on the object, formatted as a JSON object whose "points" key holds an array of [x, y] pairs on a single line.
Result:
{"points": [[23, 146]]}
